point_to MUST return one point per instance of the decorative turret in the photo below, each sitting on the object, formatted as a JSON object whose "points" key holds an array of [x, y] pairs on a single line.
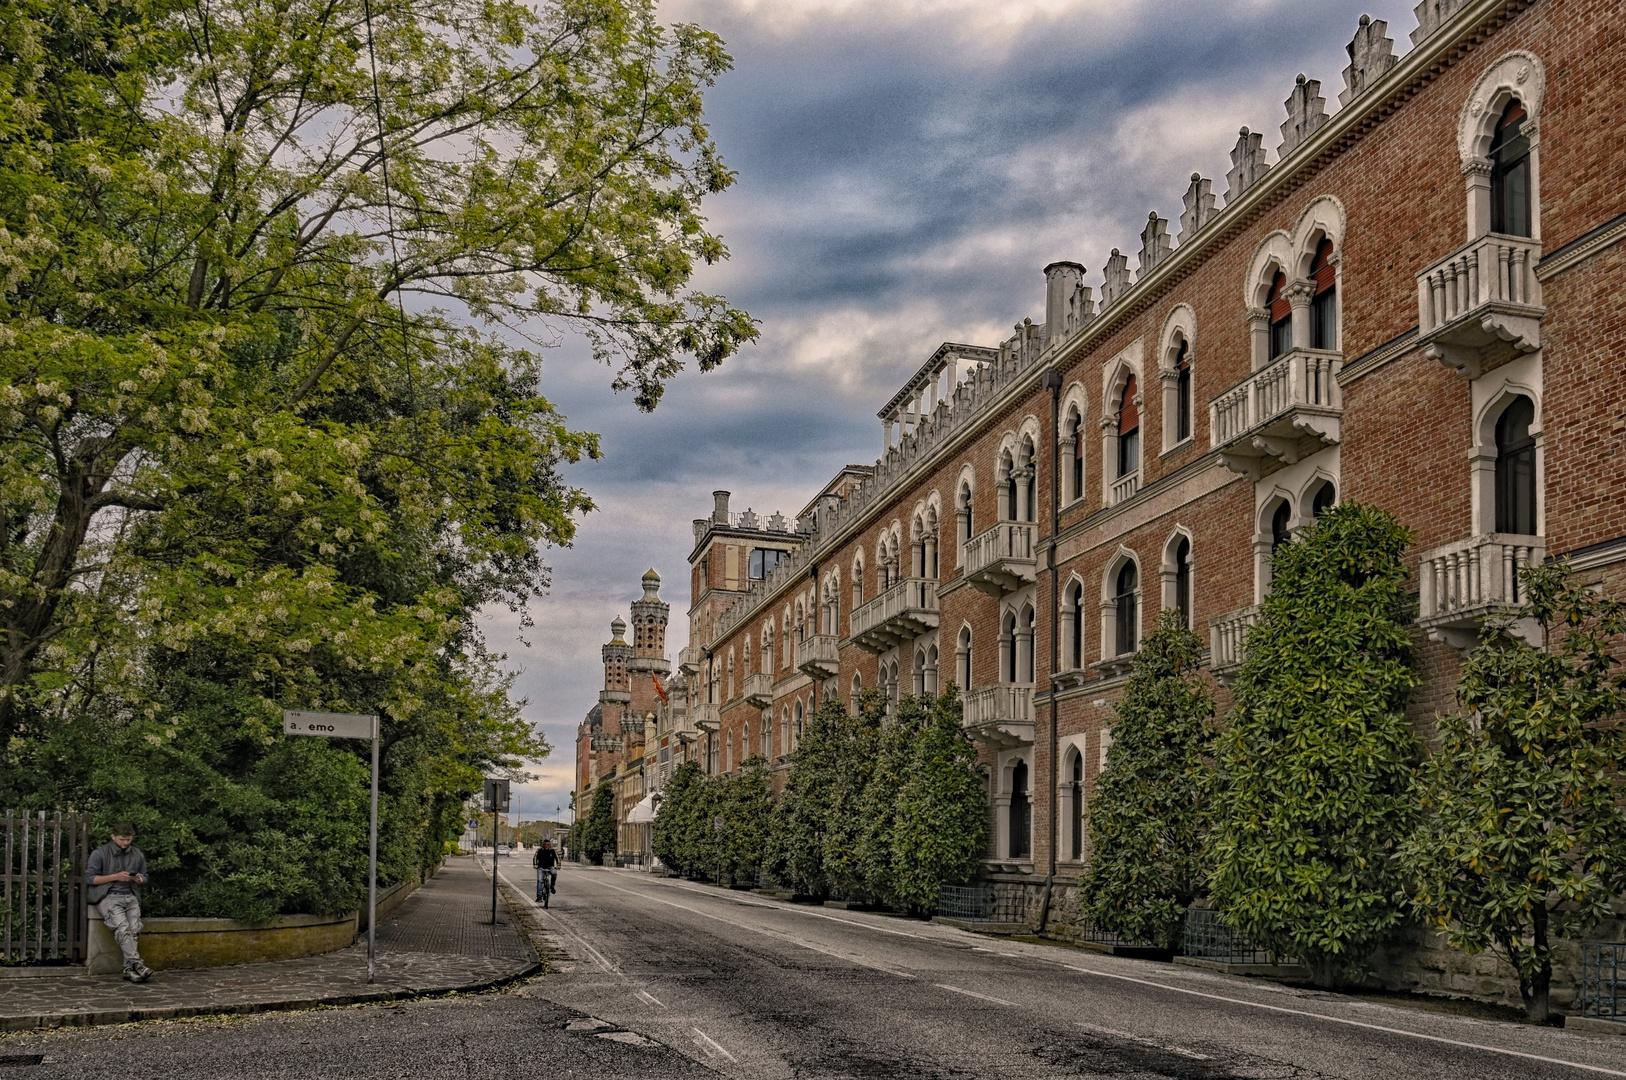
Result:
{"points": [[649, 615]]}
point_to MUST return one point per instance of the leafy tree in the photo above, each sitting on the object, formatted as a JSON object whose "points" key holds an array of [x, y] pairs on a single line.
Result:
{"points": [[1149, 819], [1524, 830], [808, 804], [745, 803], [671, 834], [1317, 757], [598, 832], [942, 809], [894, 760], [232, 453]]}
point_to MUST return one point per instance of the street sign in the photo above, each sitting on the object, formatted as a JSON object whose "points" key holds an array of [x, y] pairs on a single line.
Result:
{"points": [[496, 796], [328, 724]]}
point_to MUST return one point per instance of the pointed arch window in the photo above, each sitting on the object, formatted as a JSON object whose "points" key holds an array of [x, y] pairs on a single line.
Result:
{"points": [[1516, 469], [963, 658], [1126, 615], [1128, 430], [1075, 443], [1280, 533], [1324, 302], [1325, 498], [1075, 601], [1021, 813], [1182, 392], [1281, 316], [1510, 173], [963, 512], [1078, 807], [1182, 581]]}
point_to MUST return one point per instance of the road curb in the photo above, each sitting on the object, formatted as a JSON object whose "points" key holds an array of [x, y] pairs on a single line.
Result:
{"points": [[102, 1018]]}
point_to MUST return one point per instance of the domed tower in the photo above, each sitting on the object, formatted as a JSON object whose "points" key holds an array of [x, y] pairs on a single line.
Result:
{"points": [[649, 615], [617, 692]]}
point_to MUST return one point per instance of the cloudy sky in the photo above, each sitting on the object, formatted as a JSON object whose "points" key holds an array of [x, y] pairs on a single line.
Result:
{"points": [[906, 168]]}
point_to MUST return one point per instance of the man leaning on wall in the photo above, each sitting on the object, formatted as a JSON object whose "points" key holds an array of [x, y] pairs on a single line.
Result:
{"points": [[115, 873]]}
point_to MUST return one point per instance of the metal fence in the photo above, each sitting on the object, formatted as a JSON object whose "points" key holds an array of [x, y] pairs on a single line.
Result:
{"points": [[44, 888], [981, 902], [1603, 980], [1209, 937]]}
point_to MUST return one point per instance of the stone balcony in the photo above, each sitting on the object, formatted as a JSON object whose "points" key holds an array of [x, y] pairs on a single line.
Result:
{"points": [[705, 717], [819, 656], [902, 613], [1000, 559], [758, 690], [689, 658], [1481, 303], [1000, 716], [1286, 410], [1464, 583], [615, 697], [1226, 635], [1124, 488]]}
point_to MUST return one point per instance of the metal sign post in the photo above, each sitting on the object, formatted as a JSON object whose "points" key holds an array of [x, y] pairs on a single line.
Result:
{"points": [[349, 726], [496, 802]]}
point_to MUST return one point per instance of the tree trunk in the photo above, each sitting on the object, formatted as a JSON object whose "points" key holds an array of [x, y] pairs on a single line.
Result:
{"points": [[1536, 989]]}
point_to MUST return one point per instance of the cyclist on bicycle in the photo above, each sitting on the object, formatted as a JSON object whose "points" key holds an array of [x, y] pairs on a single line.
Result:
{"points": [[546, 861]]}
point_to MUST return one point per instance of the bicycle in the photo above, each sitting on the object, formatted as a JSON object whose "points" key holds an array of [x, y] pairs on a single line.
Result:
{"points": [[544, 884]]}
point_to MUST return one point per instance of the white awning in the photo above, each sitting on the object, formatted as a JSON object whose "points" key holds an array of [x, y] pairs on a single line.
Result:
{"points": [[644, 812]]}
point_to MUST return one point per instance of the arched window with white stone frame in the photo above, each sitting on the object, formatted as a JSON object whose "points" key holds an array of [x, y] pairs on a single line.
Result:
{"points": [[1176, 575], [858, 582], [1499, 145], [1121, 606], [1121, 427], [1072, 625], [1273, 527], [1070, 449], [1070, 792], [1175, 373], [918, 673], [931, 524], [964, 521], [857, 693], [1005, 480], [1027, 480], [1508, 457], [831, 623], [784, 730], [767, 648], [962, 660], [929, 673]]}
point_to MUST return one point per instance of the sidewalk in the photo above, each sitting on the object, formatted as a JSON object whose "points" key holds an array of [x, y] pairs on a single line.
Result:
{"points": [[439, 940]]}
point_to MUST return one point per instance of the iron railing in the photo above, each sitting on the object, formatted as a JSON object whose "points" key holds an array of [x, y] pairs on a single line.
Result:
{"points": [[1603, 980], [45, 915], [1207, 936]]}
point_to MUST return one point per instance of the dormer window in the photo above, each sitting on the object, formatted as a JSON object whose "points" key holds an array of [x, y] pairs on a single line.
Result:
{"points": [[1510, 174], [1128, 430], [1281, 316], [1324, 304]]}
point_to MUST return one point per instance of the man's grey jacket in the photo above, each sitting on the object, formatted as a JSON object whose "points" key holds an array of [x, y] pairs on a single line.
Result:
{"points": [[111, 859]]}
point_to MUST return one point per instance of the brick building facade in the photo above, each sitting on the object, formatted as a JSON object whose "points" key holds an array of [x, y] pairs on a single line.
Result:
{"points": [[1414, 305]]}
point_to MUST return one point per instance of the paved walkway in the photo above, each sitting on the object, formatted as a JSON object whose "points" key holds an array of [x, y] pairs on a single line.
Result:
{"points": [[439, 940]]}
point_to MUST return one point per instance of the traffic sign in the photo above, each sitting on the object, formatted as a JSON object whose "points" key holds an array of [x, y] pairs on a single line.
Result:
{"points": [[496, 793], [328, 724]]}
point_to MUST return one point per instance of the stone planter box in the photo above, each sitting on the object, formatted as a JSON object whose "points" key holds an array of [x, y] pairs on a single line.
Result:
{"points": [[168, 943]]}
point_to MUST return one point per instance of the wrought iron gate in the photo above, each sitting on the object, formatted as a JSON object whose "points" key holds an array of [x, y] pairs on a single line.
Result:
{"points": [[44, 887]]}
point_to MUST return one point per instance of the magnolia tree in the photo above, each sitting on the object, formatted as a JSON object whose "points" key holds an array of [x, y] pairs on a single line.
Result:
{"points": [[268, 438], [1524, 828], [598, 837], [1149, 818], [1316, 757], [941, 812]]}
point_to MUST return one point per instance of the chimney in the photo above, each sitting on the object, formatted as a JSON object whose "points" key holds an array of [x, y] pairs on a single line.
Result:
{"points": [[719, 507], [1061, 281]]}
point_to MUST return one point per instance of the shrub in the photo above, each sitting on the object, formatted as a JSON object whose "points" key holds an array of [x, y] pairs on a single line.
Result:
{"points": [[942, 809]]}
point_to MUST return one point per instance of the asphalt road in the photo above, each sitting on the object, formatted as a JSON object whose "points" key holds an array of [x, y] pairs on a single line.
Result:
{"points": [[670, 979]]}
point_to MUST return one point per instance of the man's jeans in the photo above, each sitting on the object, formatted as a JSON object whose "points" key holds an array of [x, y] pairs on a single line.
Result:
{"points": [[122, 914]]}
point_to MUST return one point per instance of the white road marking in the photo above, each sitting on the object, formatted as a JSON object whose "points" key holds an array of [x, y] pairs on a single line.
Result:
{"points": [[707, 1043], [775, 934], [1350, 1023], [1182, 1051], [649, 998], [973, 993]]}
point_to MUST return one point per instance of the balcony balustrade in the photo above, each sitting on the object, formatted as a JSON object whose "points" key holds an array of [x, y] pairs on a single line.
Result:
{"points": [[902, 613], [615, 697], [819, 656], [1226, 635], [1125, 487], [1464, 583], [759, 690], [1287, 410], [1000, 559], [689, 658], [1481, 303], [1000, 716], [705, 716]]}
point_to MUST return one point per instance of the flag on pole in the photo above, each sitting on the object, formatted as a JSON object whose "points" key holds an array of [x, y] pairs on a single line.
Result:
{"points": [[660, 691]]}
